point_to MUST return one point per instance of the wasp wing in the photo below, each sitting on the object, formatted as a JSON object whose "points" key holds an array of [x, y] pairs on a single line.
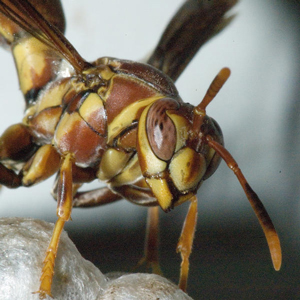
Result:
{"points": [[193, 25], [26, 15]]}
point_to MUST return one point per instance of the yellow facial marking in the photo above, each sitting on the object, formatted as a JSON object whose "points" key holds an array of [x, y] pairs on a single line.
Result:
{"points": [[187, 168], [161, 191]]}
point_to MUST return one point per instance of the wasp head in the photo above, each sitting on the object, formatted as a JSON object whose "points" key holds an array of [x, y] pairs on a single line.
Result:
{"points": [[172, 146]]}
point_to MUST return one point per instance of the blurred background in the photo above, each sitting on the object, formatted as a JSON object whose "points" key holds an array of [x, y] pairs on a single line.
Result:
{"points": [[258, 111]]}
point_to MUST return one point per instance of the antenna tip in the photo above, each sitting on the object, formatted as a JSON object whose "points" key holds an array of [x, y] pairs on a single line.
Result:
{"points": [[224, 73]]}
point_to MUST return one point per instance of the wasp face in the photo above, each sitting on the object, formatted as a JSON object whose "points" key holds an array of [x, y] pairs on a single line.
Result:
{"points": [[173, 154]]}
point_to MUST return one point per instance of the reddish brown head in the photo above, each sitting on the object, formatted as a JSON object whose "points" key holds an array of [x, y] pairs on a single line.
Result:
{"points": [[173, 152]]}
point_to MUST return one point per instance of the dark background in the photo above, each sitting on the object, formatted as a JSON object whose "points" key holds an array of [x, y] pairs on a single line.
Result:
{"points": [[258, 111]]}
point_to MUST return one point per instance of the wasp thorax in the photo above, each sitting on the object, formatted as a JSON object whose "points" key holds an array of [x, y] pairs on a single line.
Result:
{"points": [[94, 77]]}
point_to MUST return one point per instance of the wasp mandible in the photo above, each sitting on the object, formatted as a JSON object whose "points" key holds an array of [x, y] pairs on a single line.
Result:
{"points": [[119, 121]]}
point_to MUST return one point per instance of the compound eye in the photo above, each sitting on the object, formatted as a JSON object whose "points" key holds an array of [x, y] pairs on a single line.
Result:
{"points": [[161, 130]]}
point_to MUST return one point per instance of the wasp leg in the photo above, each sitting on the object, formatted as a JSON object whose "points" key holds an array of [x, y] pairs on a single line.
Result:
{"points": [[41, 166], [16, 144], [151, 253], [185, 243], [179, 44], [9, 178], [139, 193], [95, 197], [134, 193], [16, 147], [64, 208]]}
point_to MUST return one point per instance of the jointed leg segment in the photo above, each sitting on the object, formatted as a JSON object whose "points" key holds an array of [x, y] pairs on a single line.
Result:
{"points": [[64, 208], [151, 257], [185, 243]]}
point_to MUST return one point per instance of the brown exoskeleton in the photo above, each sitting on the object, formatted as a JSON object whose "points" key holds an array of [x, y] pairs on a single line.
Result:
{"points": [[120, 121]]}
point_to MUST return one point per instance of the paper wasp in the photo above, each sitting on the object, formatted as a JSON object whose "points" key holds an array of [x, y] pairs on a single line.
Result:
{"points": [[115, 120]]}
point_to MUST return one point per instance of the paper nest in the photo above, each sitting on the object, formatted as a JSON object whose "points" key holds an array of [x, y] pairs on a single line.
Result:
{"points": [[23, 243]]}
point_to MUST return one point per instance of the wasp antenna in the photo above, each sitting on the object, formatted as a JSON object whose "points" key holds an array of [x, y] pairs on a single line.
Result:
{"points": [[259, 209], [213, 90]]}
